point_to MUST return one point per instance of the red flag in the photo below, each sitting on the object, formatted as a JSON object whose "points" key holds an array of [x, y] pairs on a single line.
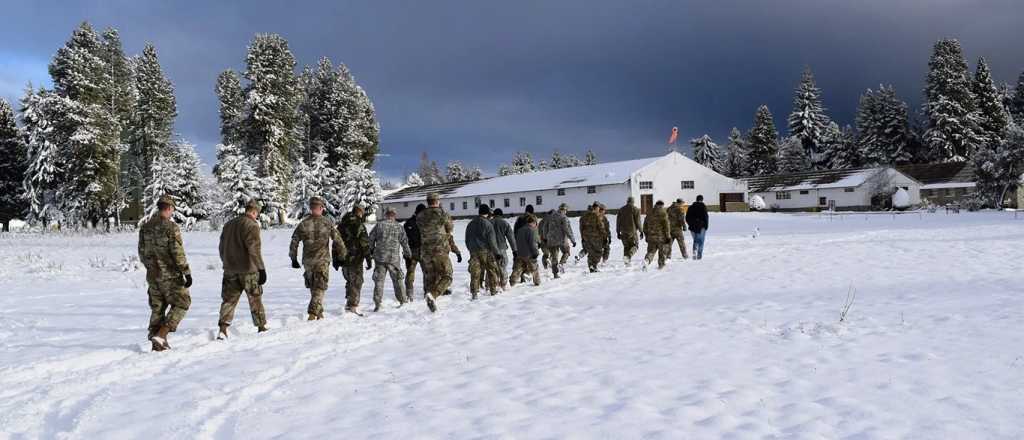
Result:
{"points": [[675, 135]]}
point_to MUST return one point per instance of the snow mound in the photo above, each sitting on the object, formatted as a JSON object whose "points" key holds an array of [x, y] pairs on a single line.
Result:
{"points": [[900, 199], [757, 203]]}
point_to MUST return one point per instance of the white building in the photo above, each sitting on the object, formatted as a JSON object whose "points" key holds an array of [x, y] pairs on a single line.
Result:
{"points": [[833, 189], [648, 180]]}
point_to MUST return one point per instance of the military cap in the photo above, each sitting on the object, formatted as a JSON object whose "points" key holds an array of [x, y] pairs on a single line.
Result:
{"points": [[313, 201], [165, 201], [433, 197], [563, 207]]}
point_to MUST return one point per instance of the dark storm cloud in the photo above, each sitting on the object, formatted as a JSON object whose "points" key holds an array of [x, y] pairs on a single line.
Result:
{"points": [[476, 80]]}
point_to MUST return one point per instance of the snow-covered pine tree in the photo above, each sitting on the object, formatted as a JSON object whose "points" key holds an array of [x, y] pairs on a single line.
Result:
{"points": [[44, 174], [522, 162], [999, 167], [307, 85], [474, 173], [154, 115], [808, 121], [13, 160], [316, 179], [590, 158], [705, 152], [762, 144], [846, 153], [456, 172], [830, 138], [414, 179], [360, 186], [361, 133], [543, 166], [570, 160], [429, 171], [122, 95], [882, 127], [1016, 106], [949, 104], [736, 155], [993, 119], [327, 112], [190, 168], [238, 178], [232, 108], [175, 172], [792, 156], [271, 101]]}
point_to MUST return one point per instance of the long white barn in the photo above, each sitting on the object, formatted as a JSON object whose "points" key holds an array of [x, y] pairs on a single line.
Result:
{"points": [[656, 178], [846, 190]]}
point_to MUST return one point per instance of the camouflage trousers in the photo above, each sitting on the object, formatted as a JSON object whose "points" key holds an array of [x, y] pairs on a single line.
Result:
{"points": [[168, 302], [353, 274], [606, 250], [316, 278], [410, 273], [231, 290], [662, 249], [482, 269], [629, 246], [678, 235], [501, 270], [595, 251], [380, 272], [522, 266], [553, 256], [437, 271]]}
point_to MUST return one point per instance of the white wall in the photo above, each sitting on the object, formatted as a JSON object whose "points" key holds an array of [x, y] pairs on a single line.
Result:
{"points": [[668, 173], [614, 196], [860, 197]]}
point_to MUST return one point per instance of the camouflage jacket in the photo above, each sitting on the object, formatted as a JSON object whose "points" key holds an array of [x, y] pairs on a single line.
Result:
{"points": [[321, 243], [240, 247], [592, 229], [435, 227], [557, 230], [161, 250], [656, 228], [607, 228], [388, 243], [357, 241], [676, 217], [627, 223]]}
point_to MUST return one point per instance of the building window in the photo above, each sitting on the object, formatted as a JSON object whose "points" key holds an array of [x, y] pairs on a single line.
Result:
{"points": [[804, 192], [465, 205], [822, 201], [687, 184], [591, 189], [451, 206], [540, 200], [782, 195], [522, 201], [476, 202], [646, 184], [491, 203], [405, 204], [849, 190], [507, 203], [561, 191]]}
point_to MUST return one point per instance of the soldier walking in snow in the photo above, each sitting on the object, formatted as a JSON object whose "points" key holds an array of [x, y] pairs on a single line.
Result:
{"points": [[357, 242], [697, 218], [606, 250], [483, 253], [677, 227], [506, 239], [656, 229], [242, 257], [627, 225], [388, 243], [167, 273], [412, 259], [557, 232], [526, 253], [593, 234], [322, 247], [521, 222], [435, 237]]}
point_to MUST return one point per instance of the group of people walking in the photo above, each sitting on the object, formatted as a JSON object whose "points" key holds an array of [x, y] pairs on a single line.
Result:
{"points": [[424, 240]]}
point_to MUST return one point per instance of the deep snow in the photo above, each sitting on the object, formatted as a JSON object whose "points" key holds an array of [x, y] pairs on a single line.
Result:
{"points": [[744, 344]]}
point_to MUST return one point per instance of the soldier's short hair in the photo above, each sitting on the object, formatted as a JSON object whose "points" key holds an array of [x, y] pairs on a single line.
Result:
{"points": [[529, 209], [253, 206], [630, 200], [313, 201], [531, 219], [660, 203], [433, 197], [420, 207], [498, 212], [165, 202], [679, 200], [700, 198]]}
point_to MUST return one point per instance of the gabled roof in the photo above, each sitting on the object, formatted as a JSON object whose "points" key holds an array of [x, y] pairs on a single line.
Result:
{"points": [[590, 175], [941, 173], [811, 180]]}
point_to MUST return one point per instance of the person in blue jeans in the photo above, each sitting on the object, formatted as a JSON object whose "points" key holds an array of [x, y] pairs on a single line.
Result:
{"points": [[697, 220]]}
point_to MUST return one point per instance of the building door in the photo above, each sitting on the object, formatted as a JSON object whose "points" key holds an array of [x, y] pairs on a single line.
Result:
{"points": [[646, 203], [724, 198]]}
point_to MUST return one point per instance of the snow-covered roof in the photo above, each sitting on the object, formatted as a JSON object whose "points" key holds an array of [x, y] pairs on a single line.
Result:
{"points": [[811, 180], [590, 175], [949, 185], [939, 173]]}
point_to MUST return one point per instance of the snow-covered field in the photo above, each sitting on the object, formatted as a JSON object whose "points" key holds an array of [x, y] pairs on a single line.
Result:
{"points": [[744, 344]]}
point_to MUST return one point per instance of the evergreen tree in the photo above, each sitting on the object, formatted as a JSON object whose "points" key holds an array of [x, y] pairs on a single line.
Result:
{"points": [[705, 152], [949, 104], [13, 160], [414, 179], [154, 116], [882, 127], [456, 172], [1016, 106], [232, 108], [474, 173], [736, 156], [272, 98], [845, 153], [361, 134], [429, 171], [239, 180], [45, 173], [590, 158], [318, 179], [522, 162], [557, 161], [998, 167], [808, 121], [762, 144], [792, 156], [122, 94], [360, 186], [175, 172], [993, 119]]}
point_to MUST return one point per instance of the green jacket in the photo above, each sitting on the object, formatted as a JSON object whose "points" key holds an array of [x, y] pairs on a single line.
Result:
{"points": [[357, 240], [161, 250]]}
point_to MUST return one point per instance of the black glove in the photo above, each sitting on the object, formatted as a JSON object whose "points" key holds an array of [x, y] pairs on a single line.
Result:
{"points": [[336, 263], [458, 258], [668, 241], [369, 264], [515, 255], [295, 264], [619, 235], [574, 244], [188, 281], [263, 277], [641, 235]]}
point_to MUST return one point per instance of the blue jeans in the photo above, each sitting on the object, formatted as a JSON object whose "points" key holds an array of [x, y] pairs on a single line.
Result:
{"points": [[698, 243]]}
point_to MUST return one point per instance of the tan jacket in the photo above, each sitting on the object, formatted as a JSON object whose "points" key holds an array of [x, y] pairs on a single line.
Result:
{"points": [[240, 246]]}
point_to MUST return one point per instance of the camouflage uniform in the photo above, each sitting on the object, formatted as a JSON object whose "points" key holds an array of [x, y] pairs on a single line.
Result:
{"points": [[656, 230], [677, 226], [162, 252], [317, 235], [357, 241], [483, 254], [607, 248], [435, 244], [526, 256], [594, 235], [555, 235], [627, 224], [241, 254], [412, 259], [505, 239], [388, 243]]}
